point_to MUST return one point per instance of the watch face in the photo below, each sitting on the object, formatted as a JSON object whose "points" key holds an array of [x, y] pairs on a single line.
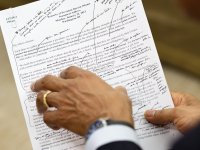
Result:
{"points": [[98, 124], [95, 126]]}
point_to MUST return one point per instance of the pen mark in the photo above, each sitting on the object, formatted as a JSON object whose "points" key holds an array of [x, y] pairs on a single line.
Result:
{"points": [[35, 21], [94, 18], [84, 59], [130, 7], [49, 37], [95, 49], [12, 19], [166, 107], [139, 109], [153, 107], [114, 52], [115, 49], [113, 16], [134, 78]]}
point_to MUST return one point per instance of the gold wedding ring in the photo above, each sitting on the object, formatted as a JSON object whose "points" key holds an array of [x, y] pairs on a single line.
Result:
{"points": [[45, 98]]}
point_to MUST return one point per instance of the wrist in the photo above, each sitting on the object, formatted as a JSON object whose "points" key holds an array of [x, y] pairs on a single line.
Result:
{"points": [[110, 134], [105, 122], [126, 117]]}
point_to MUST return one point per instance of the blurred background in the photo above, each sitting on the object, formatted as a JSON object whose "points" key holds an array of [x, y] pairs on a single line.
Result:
{"points": [[176, 31]]}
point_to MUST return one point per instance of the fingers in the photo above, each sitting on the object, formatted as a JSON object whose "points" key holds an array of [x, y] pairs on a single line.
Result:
{"points": [[177, 98], [51, 119], [184, 99], [160, 117], [50, 83], [122, 90], [72, 72], [52, 100]]}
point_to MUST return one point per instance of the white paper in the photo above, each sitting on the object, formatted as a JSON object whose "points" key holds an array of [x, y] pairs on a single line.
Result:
{"points": [[109, 37]]}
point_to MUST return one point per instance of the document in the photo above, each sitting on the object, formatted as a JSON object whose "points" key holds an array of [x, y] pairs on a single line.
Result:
{"points": [[109, 37]]}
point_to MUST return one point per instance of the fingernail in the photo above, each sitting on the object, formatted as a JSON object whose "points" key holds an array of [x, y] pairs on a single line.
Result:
{"points": [[33, 86], [150, 113]]}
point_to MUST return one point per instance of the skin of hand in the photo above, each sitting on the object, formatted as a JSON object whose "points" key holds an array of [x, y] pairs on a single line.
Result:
{"points": [[185, 115], [80, 98]]}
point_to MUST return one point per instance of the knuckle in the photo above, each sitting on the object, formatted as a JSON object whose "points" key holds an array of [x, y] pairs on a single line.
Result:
{"points": [[70, 69], [74, 71], [158, 114], [39, 95], [84, 74], [39, 99], [45, 118], [123, 89], [175, 112], [89, 75], [39, 103], [70, 85], [159, 117], [47, 77], [46, 80]]}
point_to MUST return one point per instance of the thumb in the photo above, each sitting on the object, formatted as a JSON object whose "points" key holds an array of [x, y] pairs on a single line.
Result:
{"points": [[160, 117]]}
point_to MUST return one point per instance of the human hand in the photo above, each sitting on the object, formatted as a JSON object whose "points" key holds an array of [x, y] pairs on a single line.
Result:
{"points": [[80, 98], [185, 115]]}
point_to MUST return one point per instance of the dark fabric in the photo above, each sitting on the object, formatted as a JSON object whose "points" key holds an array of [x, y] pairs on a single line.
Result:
{"points": [[191, 141], [123, 145]]}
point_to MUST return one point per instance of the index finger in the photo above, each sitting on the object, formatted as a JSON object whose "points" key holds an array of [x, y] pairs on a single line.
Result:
{"points": [[49, 82]]}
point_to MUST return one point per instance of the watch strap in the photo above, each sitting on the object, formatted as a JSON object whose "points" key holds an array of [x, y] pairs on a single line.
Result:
{"points": [[100, 123]]}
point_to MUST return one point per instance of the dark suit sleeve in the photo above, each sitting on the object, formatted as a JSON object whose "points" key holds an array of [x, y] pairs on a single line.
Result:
{"points": [[191, 141], [122, 145]]}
